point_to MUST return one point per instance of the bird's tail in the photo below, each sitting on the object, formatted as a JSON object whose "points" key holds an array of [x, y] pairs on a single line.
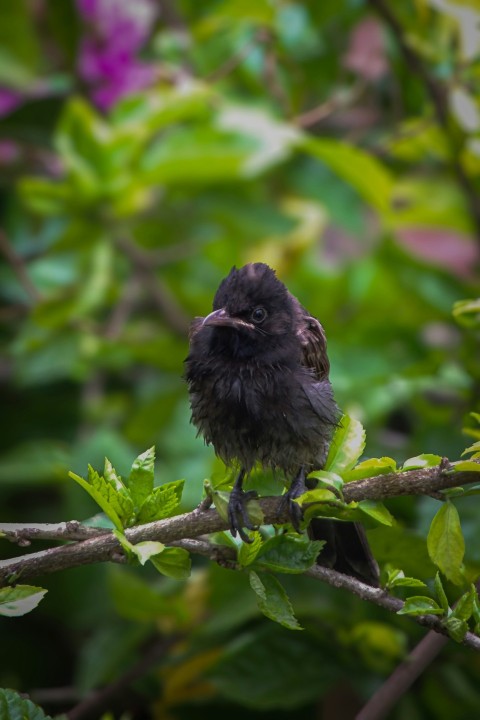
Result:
{"points": [[346, 549]]}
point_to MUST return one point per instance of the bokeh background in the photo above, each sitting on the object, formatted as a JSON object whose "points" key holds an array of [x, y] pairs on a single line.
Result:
{"points": [[145, 148]]}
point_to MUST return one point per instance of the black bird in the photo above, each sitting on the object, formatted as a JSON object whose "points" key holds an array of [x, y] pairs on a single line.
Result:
{"points": [[257, 374]]}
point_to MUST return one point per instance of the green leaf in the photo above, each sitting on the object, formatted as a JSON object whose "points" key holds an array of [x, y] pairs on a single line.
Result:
{"points": [[261, 669], [20, 600], [467, 490], [379, 644], [422, 461], [367, 175], [111, 476], [324, 503], [328, 479], [247, 552], [83, 140], [318, 495], [476, 416], [288, 554], [20, 52], [162, 502], [255, 12], [49, 458], [15, 707], [146, 549], [111, 495], [420, 605], [371, 468], [96, 284], [424, 202], [467, 312], [456, 628], [466, 466], [173, 562], [408, 582], [199, 155], [347, 445], [140, 480], [465, 605], [402, 547], [124, 542], [440, 593], [220, 500], [445, 543], [476, 614], [273, 601], [136, 598], [153, 111], [272, 140], [472, 448], [377, 511], [397, 578], [45, 197]]}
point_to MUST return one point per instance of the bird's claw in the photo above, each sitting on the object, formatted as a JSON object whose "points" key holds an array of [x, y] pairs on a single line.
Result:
{"points": [[238, 517], [293, 510]]}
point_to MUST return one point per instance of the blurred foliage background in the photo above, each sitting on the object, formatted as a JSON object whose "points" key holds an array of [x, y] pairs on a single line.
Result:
{"points": [[147, 147]]}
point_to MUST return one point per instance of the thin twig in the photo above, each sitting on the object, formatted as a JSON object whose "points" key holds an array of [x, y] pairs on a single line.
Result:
{"points": [[221, 554], [380, 597], [122, 309], [172, 253], [24, 533], [320, 112], [95, 704], [237, 58], [271, 74], [158, 291]]}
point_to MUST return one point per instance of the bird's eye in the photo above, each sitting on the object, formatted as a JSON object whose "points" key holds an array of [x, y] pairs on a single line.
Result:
{"points": [[258, 315]]}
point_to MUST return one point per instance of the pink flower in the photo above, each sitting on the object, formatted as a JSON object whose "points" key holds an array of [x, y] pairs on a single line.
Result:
{"points": [[366, 54], [9, 100], [107, 60]]}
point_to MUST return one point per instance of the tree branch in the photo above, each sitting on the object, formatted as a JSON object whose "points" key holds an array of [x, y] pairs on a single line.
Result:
{"points": [[426, 481], [102, 546], [387, 696], [188, 531], [23, 533]]}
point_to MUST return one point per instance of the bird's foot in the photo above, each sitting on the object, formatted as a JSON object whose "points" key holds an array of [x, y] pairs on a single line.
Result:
{"points": [[294, 511], [238, 517]]}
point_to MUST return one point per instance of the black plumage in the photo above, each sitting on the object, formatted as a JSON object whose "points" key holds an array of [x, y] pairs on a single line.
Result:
{"points": [[257, 374]]}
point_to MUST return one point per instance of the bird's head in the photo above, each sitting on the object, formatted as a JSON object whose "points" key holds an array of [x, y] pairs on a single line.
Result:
{"points": [[253, 316]]}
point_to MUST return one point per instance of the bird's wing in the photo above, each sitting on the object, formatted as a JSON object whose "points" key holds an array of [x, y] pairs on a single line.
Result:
{"points": [[314, 343]]}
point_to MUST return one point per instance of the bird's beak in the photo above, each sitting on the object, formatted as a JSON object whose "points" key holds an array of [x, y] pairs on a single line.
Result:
{"points": [[221, 318]]}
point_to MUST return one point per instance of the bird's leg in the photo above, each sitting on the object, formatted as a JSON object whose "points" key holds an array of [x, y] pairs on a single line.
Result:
{"points": [[237, 508], [297, 488]]}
